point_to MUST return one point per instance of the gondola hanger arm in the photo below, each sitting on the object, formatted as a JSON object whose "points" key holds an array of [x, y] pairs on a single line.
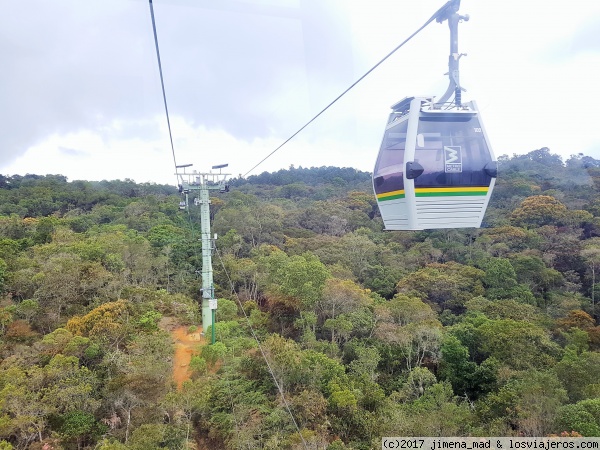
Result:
{"points": [[449, 12]]}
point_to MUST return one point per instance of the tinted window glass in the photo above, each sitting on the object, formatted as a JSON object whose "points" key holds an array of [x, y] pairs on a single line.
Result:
{"points": [[452, 150], [390, 163]]}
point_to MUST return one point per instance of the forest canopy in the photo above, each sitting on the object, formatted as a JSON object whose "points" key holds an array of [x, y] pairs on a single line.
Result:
{"points": [[456, 332]]}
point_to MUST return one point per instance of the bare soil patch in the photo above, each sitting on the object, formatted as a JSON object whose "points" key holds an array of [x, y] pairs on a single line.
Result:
{"points": [[187, 344]]}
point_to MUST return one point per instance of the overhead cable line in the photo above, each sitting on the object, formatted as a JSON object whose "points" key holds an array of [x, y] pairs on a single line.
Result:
{"points": [[439, 13], [162, 83], [260, 348]]}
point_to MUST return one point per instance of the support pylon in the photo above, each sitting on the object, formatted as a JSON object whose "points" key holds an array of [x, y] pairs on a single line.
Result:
{"points": [[202, 184]]}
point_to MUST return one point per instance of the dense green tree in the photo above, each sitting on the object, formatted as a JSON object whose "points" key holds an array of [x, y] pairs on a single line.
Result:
{"points": [[504, 309], [257, 223], [467, 377], [579, 373], [438, 412], [3, 273], [528, 403], [340, 303], [591, 255], [78, 425], [410, 327], [540, 395], [531, 270], [519, 344], [446, 286], [539, 210], [298, 277], [582, 417]]}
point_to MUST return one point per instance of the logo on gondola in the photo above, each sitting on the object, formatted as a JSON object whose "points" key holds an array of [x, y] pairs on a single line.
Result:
{"points": [[453, 159]]}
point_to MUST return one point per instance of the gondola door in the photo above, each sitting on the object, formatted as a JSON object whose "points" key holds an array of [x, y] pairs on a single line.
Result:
{"points": [[393, 190]]}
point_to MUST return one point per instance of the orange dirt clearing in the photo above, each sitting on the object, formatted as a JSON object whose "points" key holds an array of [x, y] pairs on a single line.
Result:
{"points": [[186, 346]]}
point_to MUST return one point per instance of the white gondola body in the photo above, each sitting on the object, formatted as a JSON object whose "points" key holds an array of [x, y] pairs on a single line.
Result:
{"points": [[457, 162]]}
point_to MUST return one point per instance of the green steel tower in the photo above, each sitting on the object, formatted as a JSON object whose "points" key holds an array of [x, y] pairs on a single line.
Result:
{"points": [[201, 184]]}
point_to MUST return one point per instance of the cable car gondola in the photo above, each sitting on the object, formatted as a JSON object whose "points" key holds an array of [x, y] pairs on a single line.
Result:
{"points": [[435, 167]]}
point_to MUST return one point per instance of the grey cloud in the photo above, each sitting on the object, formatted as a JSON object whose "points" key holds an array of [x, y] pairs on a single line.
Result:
{"points": [[73, 65], [224, 68]]}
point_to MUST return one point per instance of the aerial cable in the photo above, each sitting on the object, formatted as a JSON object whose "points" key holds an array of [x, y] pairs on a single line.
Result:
{"points": [[439, 13], [260, 348], [162, 83]]}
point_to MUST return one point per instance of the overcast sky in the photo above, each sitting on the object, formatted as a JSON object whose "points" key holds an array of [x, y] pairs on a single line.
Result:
{"points": [[80, 87]]}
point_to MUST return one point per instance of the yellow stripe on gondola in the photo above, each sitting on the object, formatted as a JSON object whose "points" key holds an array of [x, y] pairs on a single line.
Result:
{"points": [[437, 192], [391, 195], [452, 189]]}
